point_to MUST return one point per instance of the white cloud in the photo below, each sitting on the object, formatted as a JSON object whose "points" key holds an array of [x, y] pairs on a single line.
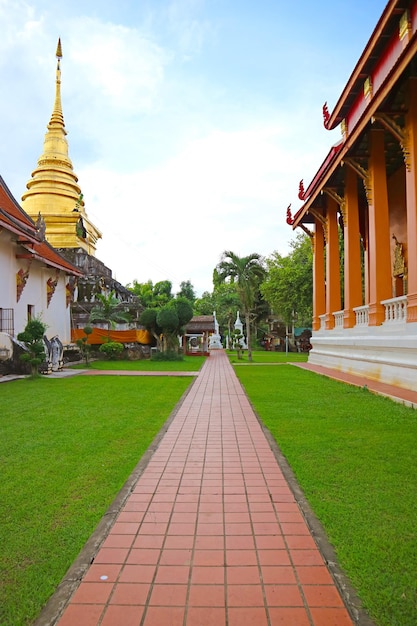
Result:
{"points": [[224, 191], [122, 67], [179, 155]]}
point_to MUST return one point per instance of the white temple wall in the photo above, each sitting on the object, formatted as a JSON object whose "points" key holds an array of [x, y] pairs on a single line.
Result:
{"points": [[383, 353], [34, 293]]}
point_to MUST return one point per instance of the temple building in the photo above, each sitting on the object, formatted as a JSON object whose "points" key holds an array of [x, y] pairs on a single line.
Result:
{"points": [[54, 195], [360, 210], [35, 280]]}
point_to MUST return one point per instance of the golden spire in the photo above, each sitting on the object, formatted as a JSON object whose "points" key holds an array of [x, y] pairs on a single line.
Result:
{"points": [[53, 190], [58, 52], [57, 117]]}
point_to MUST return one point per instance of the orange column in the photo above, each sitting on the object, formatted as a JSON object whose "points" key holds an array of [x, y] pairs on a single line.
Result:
{"points": [[333, 300], [379, 240], [319, 291], [411, 195], [353, 274]]}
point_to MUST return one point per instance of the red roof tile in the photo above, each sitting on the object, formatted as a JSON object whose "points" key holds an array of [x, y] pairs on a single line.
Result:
{"points": [[14, 219]]}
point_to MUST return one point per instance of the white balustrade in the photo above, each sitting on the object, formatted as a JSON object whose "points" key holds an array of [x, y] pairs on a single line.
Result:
{"points": [[338, 319], [361, 315], [322, 319], [395, 310]]}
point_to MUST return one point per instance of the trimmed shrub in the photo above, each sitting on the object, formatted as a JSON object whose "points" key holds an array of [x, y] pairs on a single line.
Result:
{"points": [[112, 349]]}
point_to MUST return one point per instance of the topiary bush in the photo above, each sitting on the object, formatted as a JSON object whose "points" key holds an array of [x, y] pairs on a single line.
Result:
{"points": [[112, 349], [84, 346], [32, 338]]}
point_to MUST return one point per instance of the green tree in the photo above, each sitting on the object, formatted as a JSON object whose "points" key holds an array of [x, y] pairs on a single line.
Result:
{"points": [[162, 292], [246, 273], [167, 322], [227, 305], [108, 311], [148, 320], [144, 291], [172, 320], [187, 291], [32, 338], [150, 295], [260, 314], [206, 304], [184, 311], [288, 286], [167, 318], [225, 301]]}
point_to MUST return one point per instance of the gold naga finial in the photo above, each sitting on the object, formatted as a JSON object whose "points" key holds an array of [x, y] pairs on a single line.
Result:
{"points": [[59, 49]]}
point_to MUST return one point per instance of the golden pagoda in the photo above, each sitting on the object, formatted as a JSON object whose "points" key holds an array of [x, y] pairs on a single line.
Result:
{"points": [[53, 191]]}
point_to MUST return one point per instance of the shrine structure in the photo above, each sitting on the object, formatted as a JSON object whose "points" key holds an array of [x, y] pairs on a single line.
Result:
{"points": [[361, 207], [53, 189], [54, 195]]}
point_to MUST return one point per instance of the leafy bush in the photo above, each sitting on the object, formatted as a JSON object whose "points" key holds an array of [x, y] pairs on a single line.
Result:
{"points": [[83, 344], [236, 342], [112, 349], [32, 337]]}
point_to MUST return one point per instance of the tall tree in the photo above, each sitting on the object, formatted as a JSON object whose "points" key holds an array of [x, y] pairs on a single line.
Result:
{"points": [[168, 322], [150, 295], [108, 310], [206, 304], [148, 319], [288, 286], [246, 273], [162, 292], [187, 291], [144, 291]]}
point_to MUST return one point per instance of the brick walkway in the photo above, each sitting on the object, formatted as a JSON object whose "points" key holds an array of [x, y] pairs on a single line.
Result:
{"points": [[211, 534]]}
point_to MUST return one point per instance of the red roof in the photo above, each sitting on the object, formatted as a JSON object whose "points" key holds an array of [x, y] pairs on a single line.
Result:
{"points": [[14, 219], [12, 215], [382, 56], [382, 62], [334, 150]]}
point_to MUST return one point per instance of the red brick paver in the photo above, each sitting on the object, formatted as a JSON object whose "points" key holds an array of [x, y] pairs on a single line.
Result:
{"points": [[211, 534]]}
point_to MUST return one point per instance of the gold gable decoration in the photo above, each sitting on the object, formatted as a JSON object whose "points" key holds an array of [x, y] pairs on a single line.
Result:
{"points": [[51, 284], [70, 290], [22, 276], [398, 268]]}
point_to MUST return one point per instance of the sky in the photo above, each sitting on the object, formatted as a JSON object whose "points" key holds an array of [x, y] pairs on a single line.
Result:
{"points": [[190, 122]]}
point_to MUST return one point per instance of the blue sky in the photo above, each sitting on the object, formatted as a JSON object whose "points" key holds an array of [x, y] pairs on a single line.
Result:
{"points": [[190, 122]]}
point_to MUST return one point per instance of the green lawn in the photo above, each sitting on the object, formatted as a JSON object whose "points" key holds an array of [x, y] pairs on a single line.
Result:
{"points": [[264, 356], [188, 364], [67, 446], [355, 457]]}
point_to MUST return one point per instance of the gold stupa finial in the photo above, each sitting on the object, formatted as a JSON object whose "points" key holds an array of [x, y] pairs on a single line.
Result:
{"points": [[59, 49]]}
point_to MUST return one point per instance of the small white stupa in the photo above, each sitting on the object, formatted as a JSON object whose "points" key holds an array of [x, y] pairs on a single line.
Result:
{"points": [[215, 341]]}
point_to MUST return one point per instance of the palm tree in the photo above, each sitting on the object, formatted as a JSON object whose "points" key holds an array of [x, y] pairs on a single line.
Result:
{"points": [[246, 273], [108, 311]]}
